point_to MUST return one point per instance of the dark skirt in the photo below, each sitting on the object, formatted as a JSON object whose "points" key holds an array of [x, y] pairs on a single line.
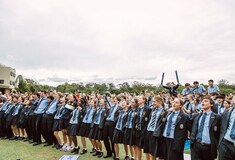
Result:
{"points": [[127, 136], [55, 126], [85, 129], [63, 124], [152, 145], [73, 130], [96, 133], [133, 138], [140, 139], [14, 120], [118, 136]]}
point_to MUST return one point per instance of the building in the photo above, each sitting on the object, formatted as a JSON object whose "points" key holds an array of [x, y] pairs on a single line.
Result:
{"points": [[7, 78]]}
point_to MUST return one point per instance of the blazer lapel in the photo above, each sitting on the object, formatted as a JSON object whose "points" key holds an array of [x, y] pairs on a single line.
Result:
{"points": [[179, 117], [212, 118]]}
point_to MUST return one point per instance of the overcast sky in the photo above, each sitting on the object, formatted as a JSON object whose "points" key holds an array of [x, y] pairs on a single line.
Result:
{"points": [[57, 41]]}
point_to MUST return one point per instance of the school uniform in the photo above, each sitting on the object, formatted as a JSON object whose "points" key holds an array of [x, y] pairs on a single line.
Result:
{"points": [[175, 134], [218, 108], [200, 89], [227, 135], [15, 114], [66, 115], [119, 128], [212, 89], [38, 115], [22, 117], [57, 116], [31, 121], [86, 122], [187, 91], [141, 124], [3, 132], [172, 90], [97, 124], [205, 135], [47, 122], [75, 122], [8, 118], [153, 138]]}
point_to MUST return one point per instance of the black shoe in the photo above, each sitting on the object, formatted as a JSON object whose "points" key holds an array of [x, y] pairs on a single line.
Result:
{"points": [[31, 141], [59, 146], [54, 146], [132, 158], [48, 144], [116, 158], [96, 153], [4, 137], [93, 150], [19, 138], [26, 139], [37, 143], [44, 142], [100, 155], [13, 138], [75, 150], [107, 156], [127, 158], [83, 151]]}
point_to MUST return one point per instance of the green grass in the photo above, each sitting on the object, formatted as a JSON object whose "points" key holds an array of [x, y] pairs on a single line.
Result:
{"points": [[12, 150]]}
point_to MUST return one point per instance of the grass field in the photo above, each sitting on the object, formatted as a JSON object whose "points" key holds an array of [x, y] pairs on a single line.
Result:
{"points": [[12, 150]]}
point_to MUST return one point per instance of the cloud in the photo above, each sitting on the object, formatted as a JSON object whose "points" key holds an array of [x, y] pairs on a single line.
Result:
{"points": [[104, 41]]}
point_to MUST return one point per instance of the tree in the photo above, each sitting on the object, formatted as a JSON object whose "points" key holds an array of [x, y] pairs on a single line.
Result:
{"points": [[23, 86]]}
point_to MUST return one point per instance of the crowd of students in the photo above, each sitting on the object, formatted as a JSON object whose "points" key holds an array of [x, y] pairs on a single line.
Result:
{"points": [[154, 125]]}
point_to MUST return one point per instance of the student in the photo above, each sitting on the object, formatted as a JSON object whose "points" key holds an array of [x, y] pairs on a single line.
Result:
{"points": [[64, 121], [85, 127], [109, 125], [205, 132], [118, 131], [141, 124], [227, 135], [172, 89], [227, 105], [129, 137], [153, 138], [74, 126], [219, 106], [40, 109], [3, 108], [97, 126], [15, 119], [175, 132], [55, 127], [24, 119], [212, 87], [187, 90], [198, 88]]}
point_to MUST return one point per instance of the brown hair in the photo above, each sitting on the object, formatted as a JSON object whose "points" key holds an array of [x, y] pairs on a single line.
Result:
{"points": [[159, 99], [209, 98]]}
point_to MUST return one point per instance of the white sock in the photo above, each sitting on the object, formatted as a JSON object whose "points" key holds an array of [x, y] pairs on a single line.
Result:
{"points": [[76, 147], [117, 157], [84, 148]]}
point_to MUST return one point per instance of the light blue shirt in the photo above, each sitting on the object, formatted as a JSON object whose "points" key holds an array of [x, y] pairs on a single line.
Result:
{"points": [[187, 90], [98, 114], [52, 108], [112, 114], [229, 129], [58, 112], [205, 132], [130, 118], [17, 109], [141, 113], [212, 89], [166, 106], [9, 108], [88, 118], [172, 128], [200, 89], [120, 119], [220, 110], [158, 110], [42, 106], [4, 106], [74, 118]]}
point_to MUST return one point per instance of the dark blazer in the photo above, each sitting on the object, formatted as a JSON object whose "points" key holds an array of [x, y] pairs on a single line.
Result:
{"points": [[144, 120], [214, 130], [225, 123], [173, 92], [182, 126], [104, 115], [215, 108], [158, 132]]}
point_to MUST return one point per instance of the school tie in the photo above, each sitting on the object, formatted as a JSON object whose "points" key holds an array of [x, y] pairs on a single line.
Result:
{"points": [[129, 118], [201, 127], [39, 104], [111, 111], [88, 113], [219, 109], [154, 118], [119, 120], [232, 134], [74, 116], [169, 124], [98, 115]]}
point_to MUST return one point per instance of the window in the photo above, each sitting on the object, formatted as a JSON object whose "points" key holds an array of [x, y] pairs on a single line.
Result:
{"points": [[1, 81]]}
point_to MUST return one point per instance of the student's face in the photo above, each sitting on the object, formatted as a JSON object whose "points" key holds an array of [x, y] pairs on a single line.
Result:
{"points": [[172, 85], [219, 100], [124, 104], [70, 98], [62, 100], [102, 102], [115, 101], [196, 85], [49, 100], [210, 83], [206, 104], [15, 100], [133, 104], [20, 100], [176, 104], [226, 105], [188, 87], [156, 103], [79, 102], [92, 104], [140, 100]]}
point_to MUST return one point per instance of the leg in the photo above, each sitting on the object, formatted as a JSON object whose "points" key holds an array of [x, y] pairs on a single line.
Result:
{"points": [[64, 132], [126, 149], [57, 137], [116, 147], [83, 142]]}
